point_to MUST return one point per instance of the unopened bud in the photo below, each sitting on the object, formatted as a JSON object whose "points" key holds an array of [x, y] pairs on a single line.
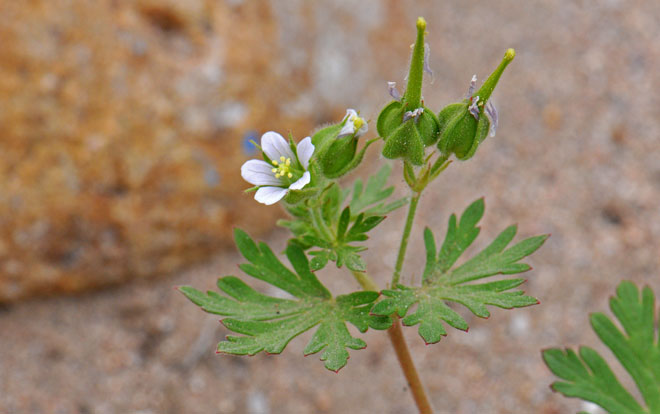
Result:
{"points": [[337, 144]]}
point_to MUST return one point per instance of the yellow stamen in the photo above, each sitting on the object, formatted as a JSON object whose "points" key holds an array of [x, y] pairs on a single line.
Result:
{"points": [[283, 167], [357, 122]]}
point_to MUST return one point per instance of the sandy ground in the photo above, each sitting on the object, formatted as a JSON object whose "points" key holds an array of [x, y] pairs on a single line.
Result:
{"points": [[577, 156]]}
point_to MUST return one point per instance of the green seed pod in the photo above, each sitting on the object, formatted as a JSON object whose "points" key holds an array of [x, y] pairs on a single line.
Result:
{"points": [[465, 125], [405, 124]]}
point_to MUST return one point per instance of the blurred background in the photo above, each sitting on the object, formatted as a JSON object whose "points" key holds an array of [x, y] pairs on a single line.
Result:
{"points": [[123, 128]]}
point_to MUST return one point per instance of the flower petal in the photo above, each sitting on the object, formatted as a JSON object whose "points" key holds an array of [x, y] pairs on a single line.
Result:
{"points": [[349, 127], [305, 149], [473, 85], [491, 113], [394, 92], [350, 113], [259, 172], [270, 195], [427, 54], [275, 146], [302, 181], [363, 129]]}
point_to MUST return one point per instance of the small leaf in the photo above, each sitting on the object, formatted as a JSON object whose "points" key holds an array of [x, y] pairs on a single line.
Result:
{"points": [[364, 225], [429, 244], [371, 200], [460, 237], [343, 223], [319, 260]]}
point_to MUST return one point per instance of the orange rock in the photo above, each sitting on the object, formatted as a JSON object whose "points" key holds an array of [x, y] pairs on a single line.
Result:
{"points": [[123, 129]]}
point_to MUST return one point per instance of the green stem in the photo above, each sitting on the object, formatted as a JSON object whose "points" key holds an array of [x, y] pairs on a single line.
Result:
{"points": [[408, 367], [412, 208], [402, 352], [320, 224], [365, 281]]}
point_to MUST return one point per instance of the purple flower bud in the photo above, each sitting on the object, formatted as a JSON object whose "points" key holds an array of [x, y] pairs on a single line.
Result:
{"points": [[394, 92]]}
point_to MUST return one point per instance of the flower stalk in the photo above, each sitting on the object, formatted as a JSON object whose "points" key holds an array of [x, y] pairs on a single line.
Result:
{"points": [[401, 350], [403, 246]]}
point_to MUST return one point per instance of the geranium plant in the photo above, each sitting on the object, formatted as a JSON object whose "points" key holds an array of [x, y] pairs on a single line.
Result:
{"points": [[329, 223]]}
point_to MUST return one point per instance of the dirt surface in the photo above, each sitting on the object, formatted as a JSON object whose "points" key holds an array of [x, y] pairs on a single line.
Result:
{"points": [[577, 155]]}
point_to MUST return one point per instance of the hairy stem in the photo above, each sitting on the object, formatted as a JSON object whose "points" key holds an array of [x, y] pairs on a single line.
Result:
{"points": [[320, 224], [402, 352], [408, 367], [412, 209], [365, 281]]}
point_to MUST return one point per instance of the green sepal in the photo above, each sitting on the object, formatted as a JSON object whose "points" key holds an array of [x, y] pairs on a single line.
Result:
{"points": [[461, 132], [447, 114], [428, 126], [296, 196], [340, 153], [326, 135], [390, 118], [345, 159], [405, 142], [407, 139]]}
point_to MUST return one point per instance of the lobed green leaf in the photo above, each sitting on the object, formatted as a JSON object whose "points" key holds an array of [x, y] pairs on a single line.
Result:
{"points": [[442, 283], [590, 378], [269, 323]]}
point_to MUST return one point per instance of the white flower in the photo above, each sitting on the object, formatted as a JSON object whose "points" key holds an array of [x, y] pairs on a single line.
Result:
{"points": [[287, 172], [353, 124]]}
